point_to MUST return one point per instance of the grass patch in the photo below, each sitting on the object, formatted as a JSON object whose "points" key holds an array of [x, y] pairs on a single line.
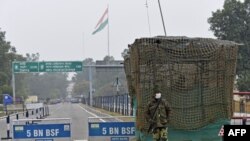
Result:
{"points": [[2, 113]]}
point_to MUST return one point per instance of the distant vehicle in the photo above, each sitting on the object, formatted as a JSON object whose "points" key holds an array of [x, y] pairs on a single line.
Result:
{"points": [[55, 101], [74, 100]]}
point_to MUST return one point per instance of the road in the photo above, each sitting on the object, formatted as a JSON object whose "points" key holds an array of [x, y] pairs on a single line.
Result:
{"points": [[78, 113]]}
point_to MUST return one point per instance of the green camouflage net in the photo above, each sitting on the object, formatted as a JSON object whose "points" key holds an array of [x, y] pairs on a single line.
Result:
{"points": [[196, 76]]}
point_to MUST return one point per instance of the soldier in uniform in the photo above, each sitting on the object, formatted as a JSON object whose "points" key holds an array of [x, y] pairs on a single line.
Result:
{"points": [[157, 115]]}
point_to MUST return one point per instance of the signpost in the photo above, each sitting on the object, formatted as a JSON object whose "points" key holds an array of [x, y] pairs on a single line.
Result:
{"points": [[41, 131], [48, 66], [25, 67], [44, 66], [113, 131]]}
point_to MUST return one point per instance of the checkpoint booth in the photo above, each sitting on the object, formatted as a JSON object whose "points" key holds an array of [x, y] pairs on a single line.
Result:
{"points": [[118, 128], [51, 129]]}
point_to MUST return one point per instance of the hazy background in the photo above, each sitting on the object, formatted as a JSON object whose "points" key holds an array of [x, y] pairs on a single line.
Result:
{"points": [[62, 29]]}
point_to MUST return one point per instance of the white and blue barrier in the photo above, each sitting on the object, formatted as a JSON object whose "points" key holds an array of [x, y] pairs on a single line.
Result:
{"points": [[41, 113], [102, 128], [41, 129]]}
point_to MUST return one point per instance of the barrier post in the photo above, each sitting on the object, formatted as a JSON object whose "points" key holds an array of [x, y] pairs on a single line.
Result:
{"points": [[17, 117], [8, 126]]}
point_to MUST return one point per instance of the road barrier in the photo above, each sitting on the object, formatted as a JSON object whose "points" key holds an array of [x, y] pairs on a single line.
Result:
{"points": [[108, 128], [41, 129], [17, 116]]}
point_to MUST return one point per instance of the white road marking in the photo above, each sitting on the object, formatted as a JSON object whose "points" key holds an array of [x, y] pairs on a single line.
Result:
{"points": [[91, 113]]}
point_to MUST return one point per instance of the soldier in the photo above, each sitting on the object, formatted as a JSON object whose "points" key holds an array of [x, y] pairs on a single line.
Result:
{"points": [[157, 114]]}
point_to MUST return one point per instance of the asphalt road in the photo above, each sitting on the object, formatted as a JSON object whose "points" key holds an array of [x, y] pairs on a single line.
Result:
{"points": [[80, 115], [76, 114]]}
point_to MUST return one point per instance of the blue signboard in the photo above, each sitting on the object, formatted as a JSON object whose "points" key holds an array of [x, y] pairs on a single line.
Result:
{"points": [[112, 129], [7, 99], [41, 131]]}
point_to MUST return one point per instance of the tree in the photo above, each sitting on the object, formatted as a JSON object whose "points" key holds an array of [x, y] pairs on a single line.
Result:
{"points": [[233, 23], [48, 85], [32, 57], [108, 59], [81, 79], [4, 60], [81, 88], [7, 55]]}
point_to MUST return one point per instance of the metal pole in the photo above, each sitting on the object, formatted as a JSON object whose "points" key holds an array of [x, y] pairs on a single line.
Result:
{"points": [[83, 44], [90, 86], [162, 18], [13, 85], [108, 32]]}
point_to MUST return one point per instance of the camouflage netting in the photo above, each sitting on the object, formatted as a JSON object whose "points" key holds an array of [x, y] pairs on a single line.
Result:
{"points": [[196, 76]]}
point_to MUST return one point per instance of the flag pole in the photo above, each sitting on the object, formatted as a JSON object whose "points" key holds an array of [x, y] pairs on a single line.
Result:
{"points": [[162, 18], [108, 31]]}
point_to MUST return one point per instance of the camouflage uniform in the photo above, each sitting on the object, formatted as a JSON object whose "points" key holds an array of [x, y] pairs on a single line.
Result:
{"points": [[160, 119]]}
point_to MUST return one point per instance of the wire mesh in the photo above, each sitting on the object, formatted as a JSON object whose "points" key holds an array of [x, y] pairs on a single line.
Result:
{"points": [[196, 76]]}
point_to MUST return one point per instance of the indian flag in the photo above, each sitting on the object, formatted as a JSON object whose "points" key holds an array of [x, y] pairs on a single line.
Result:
{"points": [[103, 21]]}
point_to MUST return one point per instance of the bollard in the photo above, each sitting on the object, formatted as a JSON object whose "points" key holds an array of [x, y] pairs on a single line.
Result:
{"points": [[8, 126], [8, 129], [37, 115], [17, 117], [48, 110], [27, 114], [43, 112]]}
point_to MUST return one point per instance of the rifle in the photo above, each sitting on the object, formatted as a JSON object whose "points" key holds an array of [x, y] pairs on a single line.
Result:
{"points": [[150, 128]]}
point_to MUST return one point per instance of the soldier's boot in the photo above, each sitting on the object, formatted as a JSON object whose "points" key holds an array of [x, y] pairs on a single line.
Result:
{"points": [[156, 134], [164, 134]]}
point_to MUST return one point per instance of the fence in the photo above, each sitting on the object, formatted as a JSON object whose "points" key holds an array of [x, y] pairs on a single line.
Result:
{"points": [[196, 75], [120, 104]]}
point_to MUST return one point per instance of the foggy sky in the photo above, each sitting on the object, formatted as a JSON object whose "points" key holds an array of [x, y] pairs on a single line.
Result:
{"points": [[61, 30]]}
